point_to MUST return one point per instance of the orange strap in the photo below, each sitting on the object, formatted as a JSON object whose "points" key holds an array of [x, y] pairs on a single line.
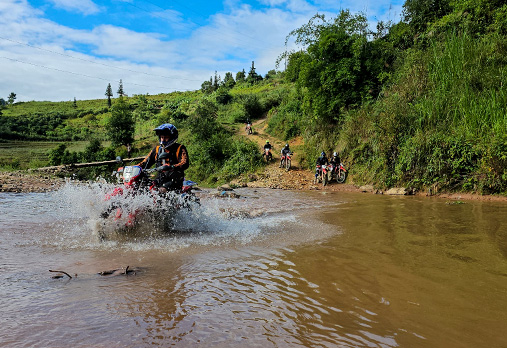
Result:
{"points": [[177, 152]]}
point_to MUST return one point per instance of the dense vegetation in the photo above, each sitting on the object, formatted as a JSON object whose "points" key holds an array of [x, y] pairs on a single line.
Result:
{"points": [[421, 103]]}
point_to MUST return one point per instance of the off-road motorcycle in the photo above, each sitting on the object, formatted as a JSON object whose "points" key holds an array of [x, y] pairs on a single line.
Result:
{"points": [[285, 160], [338, 173], [322, 174], [268, 156], [138, 198]]}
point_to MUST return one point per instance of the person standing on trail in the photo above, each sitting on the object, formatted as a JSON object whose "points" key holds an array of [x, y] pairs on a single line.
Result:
{"points": [[284, 152], [171, 167]]}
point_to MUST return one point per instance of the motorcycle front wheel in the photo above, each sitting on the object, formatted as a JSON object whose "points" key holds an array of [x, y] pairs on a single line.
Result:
{"points": [[287, 164]]}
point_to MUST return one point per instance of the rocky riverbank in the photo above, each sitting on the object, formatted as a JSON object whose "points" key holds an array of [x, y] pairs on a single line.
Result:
{"points": [[23, 182]]}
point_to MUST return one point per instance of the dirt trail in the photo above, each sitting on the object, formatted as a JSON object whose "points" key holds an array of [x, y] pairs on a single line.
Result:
{"points": [[278, 178]]}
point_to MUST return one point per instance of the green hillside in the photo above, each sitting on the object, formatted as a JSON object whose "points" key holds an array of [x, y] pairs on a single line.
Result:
{"points": [[421, 104]]}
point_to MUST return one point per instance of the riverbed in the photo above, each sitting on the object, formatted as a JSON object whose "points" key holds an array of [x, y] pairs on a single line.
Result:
{"points": [[272, 268]]}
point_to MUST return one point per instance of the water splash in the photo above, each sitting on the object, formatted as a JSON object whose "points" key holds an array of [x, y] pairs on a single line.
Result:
{"points": [[216, 221]]}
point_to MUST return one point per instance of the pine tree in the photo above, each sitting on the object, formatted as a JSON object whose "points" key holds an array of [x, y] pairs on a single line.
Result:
{"points": [[109, 94], [240, 76], [120, 91]]}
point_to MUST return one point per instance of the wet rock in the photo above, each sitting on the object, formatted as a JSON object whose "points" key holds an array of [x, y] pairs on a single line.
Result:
{"points": [[367, 188], [398, 191], [225, 187], [225, 194]]}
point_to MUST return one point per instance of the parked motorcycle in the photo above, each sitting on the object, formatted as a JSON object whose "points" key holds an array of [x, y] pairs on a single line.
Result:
{"points": [[338, 173], [139, 196], [268, 156], [285, 161], [322, 174]]}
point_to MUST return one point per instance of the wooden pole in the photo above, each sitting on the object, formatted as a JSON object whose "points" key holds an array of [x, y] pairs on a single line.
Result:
{"points": [[83, 165]]}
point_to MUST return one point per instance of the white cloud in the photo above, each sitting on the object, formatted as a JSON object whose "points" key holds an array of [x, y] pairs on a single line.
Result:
{"points": [[44, 60], [85, 7]]}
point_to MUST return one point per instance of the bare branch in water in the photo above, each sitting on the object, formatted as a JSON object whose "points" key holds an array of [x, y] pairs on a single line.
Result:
{"points": [[68, 275]]}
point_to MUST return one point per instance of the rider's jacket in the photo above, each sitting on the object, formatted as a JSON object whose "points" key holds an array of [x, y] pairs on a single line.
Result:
{"points": [[267, 147], [335, 160], [284, 151], [322, 160], [178, 158]]}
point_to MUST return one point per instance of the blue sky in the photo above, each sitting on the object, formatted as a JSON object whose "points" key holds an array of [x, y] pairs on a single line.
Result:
{"points": [[64, 49]]}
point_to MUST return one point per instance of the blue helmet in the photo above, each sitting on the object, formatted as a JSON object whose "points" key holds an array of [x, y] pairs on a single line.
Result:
{"points": [[167, 129], [323, 154]]}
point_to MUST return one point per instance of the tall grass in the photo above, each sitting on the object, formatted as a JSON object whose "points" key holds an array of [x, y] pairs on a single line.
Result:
{"points": [[443, 123]]}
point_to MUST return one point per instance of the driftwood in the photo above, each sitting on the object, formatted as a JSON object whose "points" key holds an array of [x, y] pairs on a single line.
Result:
{"points": [[83, 165], [56, 277]]}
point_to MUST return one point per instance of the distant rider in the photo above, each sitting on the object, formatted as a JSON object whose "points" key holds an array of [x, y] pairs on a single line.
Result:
{"points": [[171, 170], [322, 160], [284, 151], [267, 147]]}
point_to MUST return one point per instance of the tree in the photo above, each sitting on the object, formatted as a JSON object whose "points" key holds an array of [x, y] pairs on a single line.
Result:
{"points": [[418, 13], [229, 80], [109, 94], [120, 127], [11, 98], [74, 104], [341, 67], [207, 87], [253, 77], [240, 76], [120, 91], [217, 81]]}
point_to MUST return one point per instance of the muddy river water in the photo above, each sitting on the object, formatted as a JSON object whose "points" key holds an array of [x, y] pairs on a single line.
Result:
{"points": [[270, 269]]}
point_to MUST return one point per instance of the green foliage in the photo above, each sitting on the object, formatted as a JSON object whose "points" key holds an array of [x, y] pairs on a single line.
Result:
{"points": [[222, 96], [11, 98], [421, 12], [109, 94], [120, 128], [442, 123], [241, 76], [61, 155], [214, 155], [229, 80], [285, 120], [341, 67], [253, 106]]}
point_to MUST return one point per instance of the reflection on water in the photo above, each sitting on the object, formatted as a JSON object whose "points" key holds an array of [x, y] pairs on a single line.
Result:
{"points": [[275, 268]]}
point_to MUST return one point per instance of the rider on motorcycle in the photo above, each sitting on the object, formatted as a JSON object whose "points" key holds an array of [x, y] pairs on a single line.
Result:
{"points": [[335, 161], [284, 151], [267, 146], [322, 160], [171, 170]]}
